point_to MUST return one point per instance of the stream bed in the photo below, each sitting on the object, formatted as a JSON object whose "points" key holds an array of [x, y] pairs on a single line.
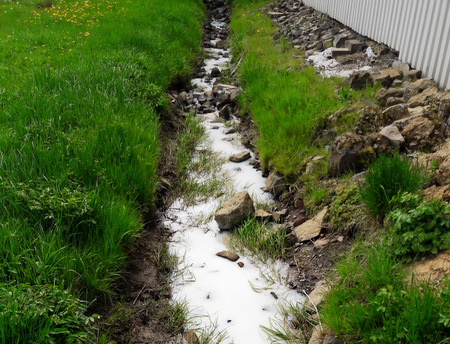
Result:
{"points": [[221, 295]]}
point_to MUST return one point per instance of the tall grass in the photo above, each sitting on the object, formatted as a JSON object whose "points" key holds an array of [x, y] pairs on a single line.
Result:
{"points": [[82, 85], [287, 100]]}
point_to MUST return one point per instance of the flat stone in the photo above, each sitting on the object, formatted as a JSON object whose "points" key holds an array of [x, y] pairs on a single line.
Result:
{"points": [[392, 133], [235, 211], [239, 157], [311, 228], [316, 296], [321, 243], [335, 52], [228, 255], [262, 215]]}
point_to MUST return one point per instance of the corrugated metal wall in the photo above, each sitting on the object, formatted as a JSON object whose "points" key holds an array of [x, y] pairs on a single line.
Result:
{"points": [[418, 29]]}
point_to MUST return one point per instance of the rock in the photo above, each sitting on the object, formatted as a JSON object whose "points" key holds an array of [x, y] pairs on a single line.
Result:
{"points": [[228, 255], [316, 337], [444, 106], [383, 79], [394, 101], [434, 269], [224, 112], [350, 151], [353, 45], [262, 215], [402, 67], [239, 157], [191, 337], [240, 264], [222, 45], [384, 94], [215, 72], [360, 80], [418, 86], [311, 228], [339, 41], [393, 73], [183, 97], [335, 52], [423, 98], [419, 131], [438, 192], [319, 243], [392, 133], [443, 175], [331, 339], [275, 184], [235, 211], [394, 113], [413, 74]]}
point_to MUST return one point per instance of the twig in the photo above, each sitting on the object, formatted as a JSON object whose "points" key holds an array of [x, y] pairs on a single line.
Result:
{"points": [[139, 294], [237, 65], [315, 308]]}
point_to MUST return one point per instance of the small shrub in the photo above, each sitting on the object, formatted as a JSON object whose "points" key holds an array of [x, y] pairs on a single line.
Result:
{"points": [[344, 94], [418, 227], [386, 178]]}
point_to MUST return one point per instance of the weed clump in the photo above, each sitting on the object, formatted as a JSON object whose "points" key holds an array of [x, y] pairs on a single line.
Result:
{"points": [[418, 227], [386, 178]]}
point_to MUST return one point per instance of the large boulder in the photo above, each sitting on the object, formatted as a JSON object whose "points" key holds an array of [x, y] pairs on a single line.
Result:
{"points": [[349, 152], [235, 211]]}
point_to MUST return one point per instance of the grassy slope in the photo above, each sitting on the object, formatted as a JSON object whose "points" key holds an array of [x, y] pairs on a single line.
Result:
{"points": [[287, 100], [81, 85]]}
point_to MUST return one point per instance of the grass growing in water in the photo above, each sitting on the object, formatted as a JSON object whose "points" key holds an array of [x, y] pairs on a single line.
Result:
{"points": [[81, 88]]}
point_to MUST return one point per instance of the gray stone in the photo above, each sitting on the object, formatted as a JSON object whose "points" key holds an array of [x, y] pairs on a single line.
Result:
{"points": [[444, 106], [239, 157], [311, 228], [394, 113], [339, 41], [360, 80], [402, 67], [335, 52], [349, 152], [353, 45], [393, 73], [394, 101], [235, 211], [275, 184], [392, 133]]}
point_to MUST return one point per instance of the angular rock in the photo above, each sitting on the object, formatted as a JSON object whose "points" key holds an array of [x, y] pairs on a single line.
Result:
{"points": [[419, 131], [360, 80], [394, 101], [402, 67], [393, 73], [311, 228], [215, 72], [443, 175], [339, 41], [437, 192], [235, 211], [335, 52], [275, 184], [384, 94], [383, 79], [349, 152], [414, 74], [394, 113], [423, 98], [316, 296], [277, 216], [444, 106], [239, 157], [353, 45], [228, 255], [392, 133], [262, 215]]}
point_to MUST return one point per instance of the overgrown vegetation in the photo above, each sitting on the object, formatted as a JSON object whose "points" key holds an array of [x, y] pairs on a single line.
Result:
{"points": [[373, 302], [388, 177], [82, 86]]}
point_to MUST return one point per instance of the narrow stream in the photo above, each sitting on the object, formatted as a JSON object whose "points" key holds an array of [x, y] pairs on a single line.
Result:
{"points": [[219, 293]]}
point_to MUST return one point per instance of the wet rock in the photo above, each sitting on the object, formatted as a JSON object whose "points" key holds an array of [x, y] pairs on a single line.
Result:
{"points": [[423, 98], [239, 157], [235, 211], [316, 296], [392, 133], [228, 255], [360, 80], [262, 215], [349, 152], [311, 228], [275, 184], [215, 72], [190, 337]]}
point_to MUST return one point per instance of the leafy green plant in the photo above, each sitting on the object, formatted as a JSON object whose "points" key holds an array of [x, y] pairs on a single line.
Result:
{"points": [[344, 94], [42, 314], [386, 178], [418, 227]]}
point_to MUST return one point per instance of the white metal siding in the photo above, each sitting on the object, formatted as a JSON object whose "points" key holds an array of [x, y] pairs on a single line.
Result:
{"points": [[418, 29]]}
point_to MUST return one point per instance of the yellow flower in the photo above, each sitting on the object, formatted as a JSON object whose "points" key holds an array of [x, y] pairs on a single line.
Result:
{"points": [[26, 58], [86, 33]]}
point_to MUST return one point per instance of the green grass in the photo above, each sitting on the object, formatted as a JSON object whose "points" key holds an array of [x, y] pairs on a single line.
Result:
{"points": [[82, 86], [260, 240], [288, 101], [387, 177], [372, 302]]}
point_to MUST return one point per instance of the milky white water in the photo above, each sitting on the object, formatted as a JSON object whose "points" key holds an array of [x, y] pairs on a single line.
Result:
{"points": [[238, 300]]}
